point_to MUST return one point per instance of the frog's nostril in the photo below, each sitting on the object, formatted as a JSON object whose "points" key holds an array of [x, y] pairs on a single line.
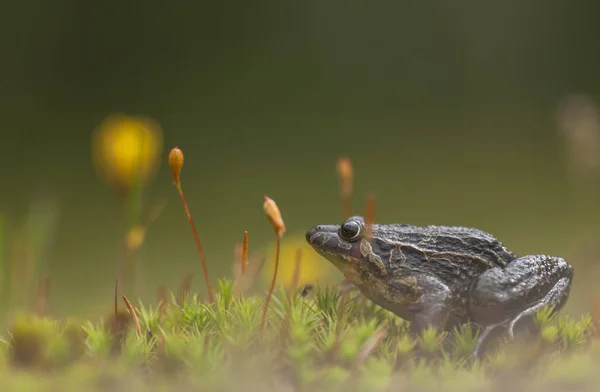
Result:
{"points": [[310, 233]]}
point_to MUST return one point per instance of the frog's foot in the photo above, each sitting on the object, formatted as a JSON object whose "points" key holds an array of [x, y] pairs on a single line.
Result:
{"points": [[555, 296], [522, 288], [485, 332]]}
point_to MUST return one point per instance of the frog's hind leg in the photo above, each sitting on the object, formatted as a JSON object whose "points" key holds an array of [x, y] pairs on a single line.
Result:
{"points": [[555, 298], [525, 286]]}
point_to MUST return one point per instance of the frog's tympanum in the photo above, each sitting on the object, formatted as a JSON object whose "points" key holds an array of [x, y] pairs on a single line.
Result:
{"points": [[439, 275]]}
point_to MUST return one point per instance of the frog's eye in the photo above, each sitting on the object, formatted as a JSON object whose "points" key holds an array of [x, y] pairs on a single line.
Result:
{"points": [[350, 230]]}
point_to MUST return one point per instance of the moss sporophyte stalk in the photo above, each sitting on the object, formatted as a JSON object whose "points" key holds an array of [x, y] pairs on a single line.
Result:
{"points": [[274, 215], [345, 174], [176, 163]]}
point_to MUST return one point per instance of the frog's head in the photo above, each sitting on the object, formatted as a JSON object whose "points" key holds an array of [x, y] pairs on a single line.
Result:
{"points": [[346, 247]]}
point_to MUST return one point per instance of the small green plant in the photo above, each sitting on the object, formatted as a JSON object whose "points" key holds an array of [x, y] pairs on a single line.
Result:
{"points": [[311, 343]]}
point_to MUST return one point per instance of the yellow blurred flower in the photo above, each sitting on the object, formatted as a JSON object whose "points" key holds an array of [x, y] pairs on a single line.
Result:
{"points": [[127, 149], [314, 269]]}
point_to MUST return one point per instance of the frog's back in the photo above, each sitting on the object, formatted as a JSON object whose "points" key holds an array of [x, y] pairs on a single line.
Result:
{"points": [[454, 253]]}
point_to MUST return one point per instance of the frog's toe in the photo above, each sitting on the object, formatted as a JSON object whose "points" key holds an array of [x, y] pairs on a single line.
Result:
{"points": [[511, 328], [483, 336]]}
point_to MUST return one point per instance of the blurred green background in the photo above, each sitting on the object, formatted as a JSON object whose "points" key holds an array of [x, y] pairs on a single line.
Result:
{"points": [[448, 112]]}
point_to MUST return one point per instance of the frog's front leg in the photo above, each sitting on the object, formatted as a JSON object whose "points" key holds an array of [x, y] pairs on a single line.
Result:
{"points": [[430, 301], [525, 286]]}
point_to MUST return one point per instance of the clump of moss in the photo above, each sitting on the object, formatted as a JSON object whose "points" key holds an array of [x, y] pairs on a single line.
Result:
{"points": [[28, 340], [44, 344], [311, 341]]}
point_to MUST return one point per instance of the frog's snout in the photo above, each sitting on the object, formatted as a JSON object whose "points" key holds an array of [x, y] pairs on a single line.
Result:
{"points": [[310, 233], [319, 235]]}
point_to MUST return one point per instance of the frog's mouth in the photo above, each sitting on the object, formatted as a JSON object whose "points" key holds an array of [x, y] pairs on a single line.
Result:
{"points": [[326, 241]]}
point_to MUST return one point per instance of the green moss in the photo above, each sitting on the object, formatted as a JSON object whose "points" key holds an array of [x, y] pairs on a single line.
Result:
{"points": [[312, 342]]}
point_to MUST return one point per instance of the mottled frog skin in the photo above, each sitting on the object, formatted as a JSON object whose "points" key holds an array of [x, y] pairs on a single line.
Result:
{"points": [[442, 275]]}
